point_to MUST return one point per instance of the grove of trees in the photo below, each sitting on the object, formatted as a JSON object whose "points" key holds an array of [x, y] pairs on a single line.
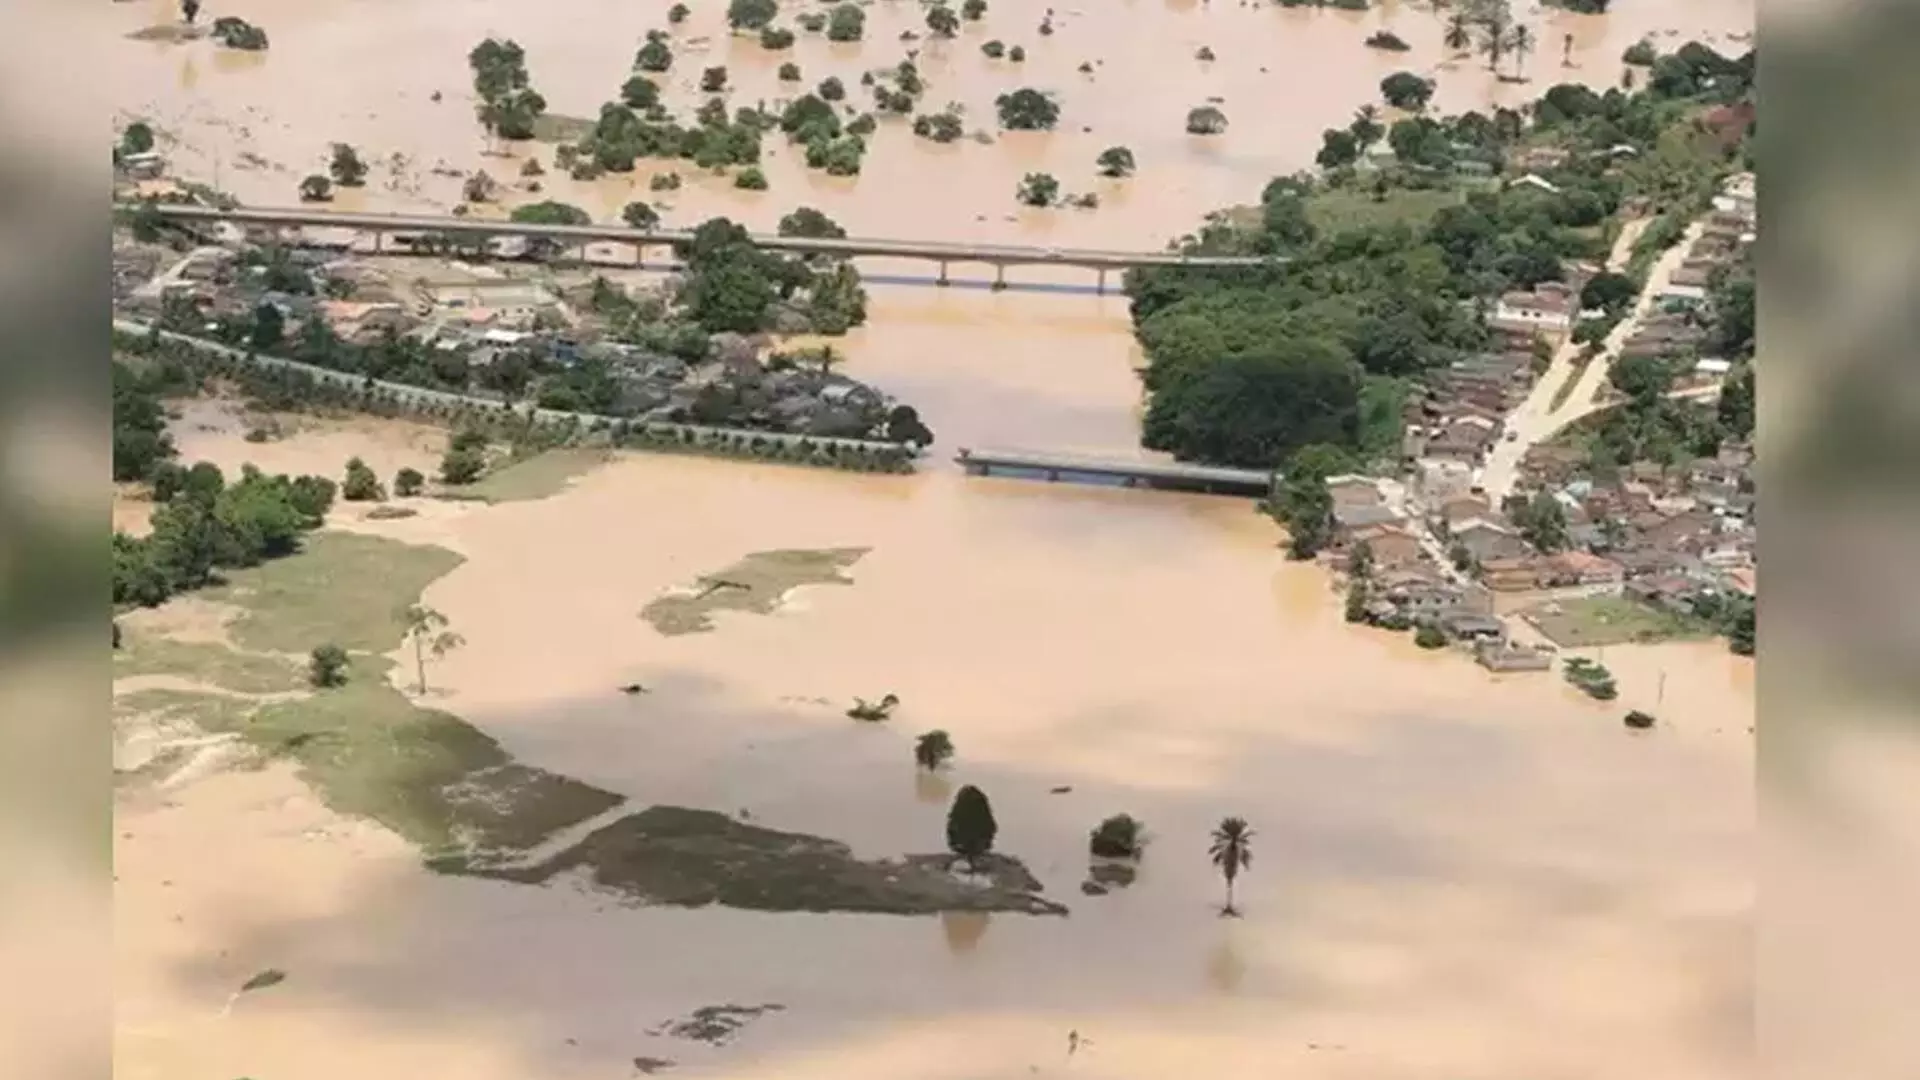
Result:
{"points": [[509, 106], [201, 524]]}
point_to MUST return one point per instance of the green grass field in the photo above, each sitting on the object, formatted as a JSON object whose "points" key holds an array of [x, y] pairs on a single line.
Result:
{"points": [[538, 477], [1614, 620], [1339, 209]]}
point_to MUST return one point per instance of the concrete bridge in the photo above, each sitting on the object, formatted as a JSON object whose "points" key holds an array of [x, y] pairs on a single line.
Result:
{"points": [[404, 227], [1126, 472]]}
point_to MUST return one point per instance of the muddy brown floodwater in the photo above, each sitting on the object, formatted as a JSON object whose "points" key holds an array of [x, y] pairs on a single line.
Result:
{"points": [[1454, 873]]}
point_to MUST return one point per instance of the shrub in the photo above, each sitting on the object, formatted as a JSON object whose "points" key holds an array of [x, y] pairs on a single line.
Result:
{"points": [[1388, 40], [994, 49], [776, 38], [1429, 636], [1641, 54], [361, 484], [327, 667], [750, 179], [1640, 721], [789, 72], [463, 464], [408, 482], [1118, 837]]}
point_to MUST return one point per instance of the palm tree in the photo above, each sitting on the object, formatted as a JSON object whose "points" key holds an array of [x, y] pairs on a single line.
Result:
{"points": [[1459, 36], [1521, 42], [1231, 851], [427, 629], [1566, 51], [190, 9], [1493, 43]]}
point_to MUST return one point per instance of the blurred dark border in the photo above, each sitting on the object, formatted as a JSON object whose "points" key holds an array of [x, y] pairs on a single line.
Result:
{"points": [[1839, 434], [55, 748]]}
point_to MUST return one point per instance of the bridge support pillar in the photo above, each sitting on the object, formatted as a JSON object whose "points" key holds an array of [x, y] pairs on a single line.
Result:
{"points": [[942, 280], [999, 277], [378, 238], [1101, 288]]}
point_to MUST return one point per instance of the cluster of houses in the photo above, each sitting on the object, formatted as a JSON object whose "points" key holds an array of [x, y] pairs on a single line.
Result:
{"points": [[1674, 328], [1441, 553], [486, 316]]}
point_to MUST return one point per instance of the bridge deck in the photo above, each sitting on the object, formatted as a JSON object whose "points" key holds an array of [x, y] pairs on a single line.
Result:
{"points": [[1003, 254], [1207, 477]]}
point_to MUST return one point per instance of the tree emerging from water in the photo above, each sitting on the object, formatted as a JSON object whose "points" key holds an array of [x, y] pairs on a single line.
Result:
{"points": [[1231, 850]]}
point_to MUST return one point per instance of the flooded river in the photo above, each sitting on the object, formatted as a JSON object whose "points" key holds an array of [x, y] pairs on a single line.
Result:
{"points": [[1454, 873]]}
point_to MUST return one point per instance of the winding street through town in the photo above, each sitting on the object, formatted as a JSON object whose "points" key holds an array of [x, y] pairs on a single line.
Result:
{"points": [[1537, 419]]}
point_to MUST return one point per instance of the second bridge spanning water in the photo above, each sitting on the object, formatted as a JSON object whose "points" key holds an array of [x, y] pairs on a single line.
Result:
{"points": [[407, 233]]}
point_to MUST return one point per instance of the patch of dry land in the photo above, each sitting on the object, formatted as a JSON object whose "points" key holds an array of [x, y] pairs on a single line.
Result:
{"points": [[757, 584]]}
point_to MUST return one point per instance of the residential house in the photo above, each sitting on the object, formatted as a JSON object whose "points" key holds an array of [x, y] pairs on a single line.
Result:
{"points": [[1488, 540], [1511, 573], [1646, 563], [1423, 592], [1465, 438], [1581, 569], [1472, 627], [1459, 509], [1350, 516], [1737, 196], [1348, 490], [1551, 464], [1500, 656], [1690, 531], [1390, 546], [1541, 311], [1687, 283], [1674, 592]]}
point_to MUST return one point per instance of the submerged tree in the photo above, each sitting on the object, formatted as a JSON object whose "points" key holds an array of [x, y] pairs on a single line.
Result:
{"points": [[1206, 120], [346, 167], [190, 10], [1231, 850], [1115, 161], [970, 826], [1027, 109], [428, 630], [1118, 837], [933, 750]]}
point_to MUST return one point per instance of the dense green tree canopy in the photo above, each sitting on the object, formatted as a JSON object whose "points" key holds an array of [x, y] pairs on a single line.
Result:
{"points": [[1027, 109]]}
